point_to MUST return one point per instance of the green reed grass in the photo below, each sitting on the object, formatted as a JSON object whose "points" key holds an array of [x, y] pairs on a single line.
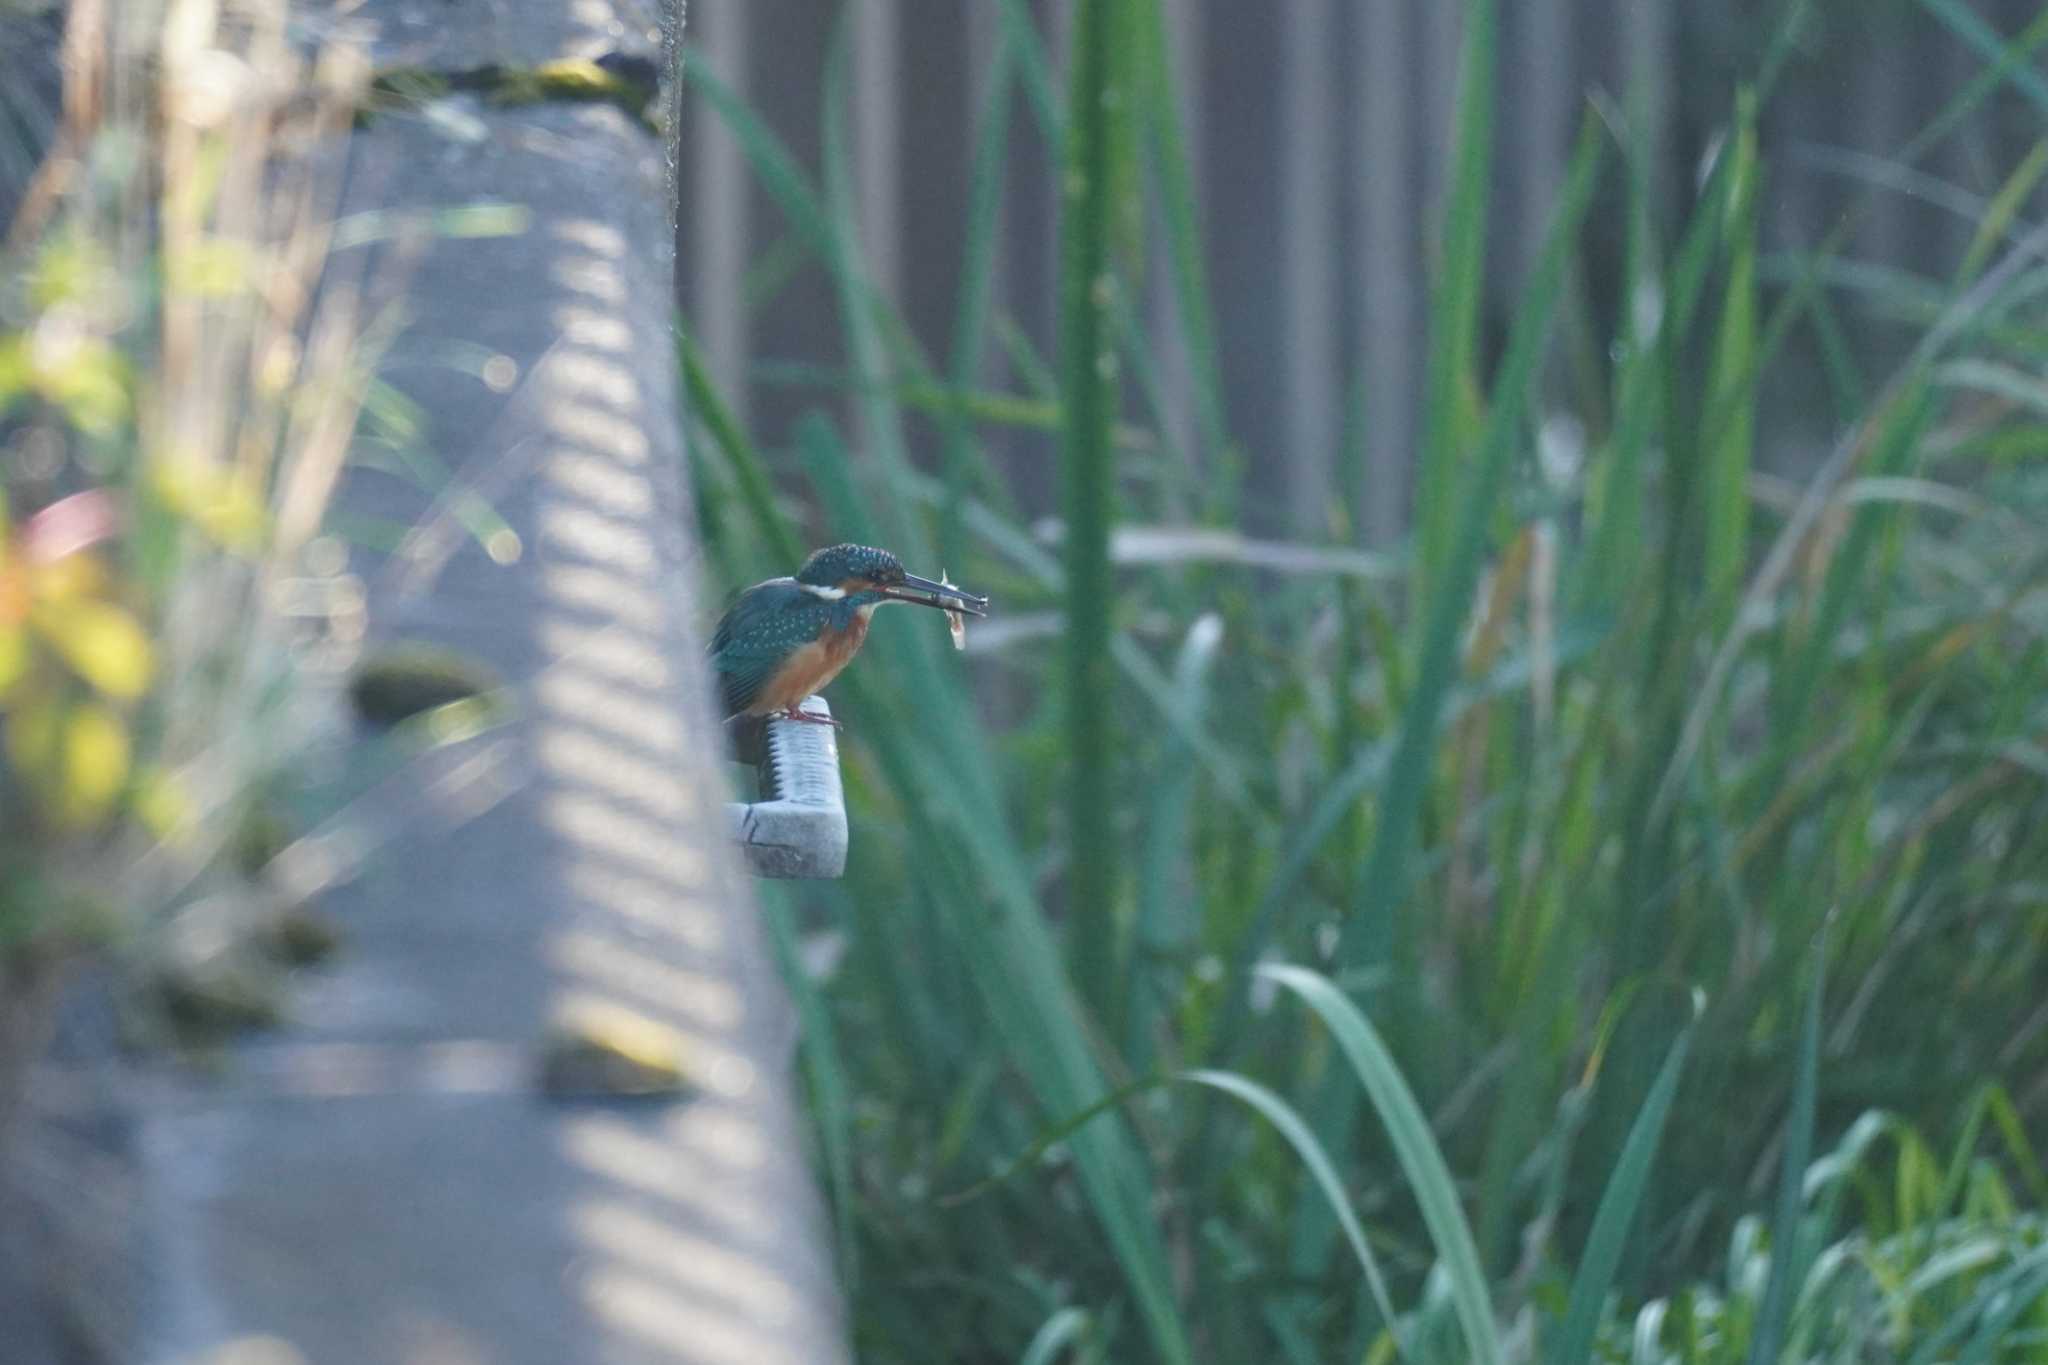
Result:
{"points": [[1095, 134], [1573, 817]]}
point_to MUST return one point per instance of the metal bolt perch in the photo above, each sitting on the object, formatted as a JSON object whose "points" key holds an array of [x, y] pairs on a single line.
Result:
{"points": [[798, 827]]}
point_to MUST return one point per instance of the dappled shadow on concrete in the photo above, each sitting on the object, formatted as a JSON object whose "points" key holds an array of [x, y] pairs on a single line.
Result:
{"points": [[681, 1223], [385, 1182]]}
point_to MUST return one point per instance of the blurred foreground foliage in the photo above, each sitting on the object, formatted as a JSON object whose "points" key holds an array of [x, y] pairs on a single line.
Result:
{"points": [[178, 392]]}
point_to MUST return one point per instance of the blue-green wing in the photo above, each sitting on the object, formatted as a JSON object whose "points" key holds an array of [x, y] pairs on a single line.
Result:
{"points": [[757, 633]]}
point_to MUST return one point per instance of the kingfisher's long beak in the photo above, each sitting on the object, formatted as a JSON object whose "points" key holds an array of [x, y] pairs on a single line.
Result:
{"points": [[944, 596]]}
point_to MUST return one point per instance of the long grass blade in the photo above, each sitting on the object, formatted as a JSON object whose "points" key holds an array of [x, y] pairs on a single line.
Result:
{"points": [[1322, 1170], [1787, 1258], [757, 490], [1415, 1147], [1164, 928], [1063, 1329], [1035, 68], [1732, 377], [972, 309], [1968, 25], [1450, 419], [1618, 1205], [1180, 214]]}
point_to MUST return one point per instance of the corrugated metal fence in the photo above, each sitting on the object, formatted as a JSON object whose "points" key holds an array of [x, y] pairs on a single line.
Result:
{"points": [[1320, 130]]}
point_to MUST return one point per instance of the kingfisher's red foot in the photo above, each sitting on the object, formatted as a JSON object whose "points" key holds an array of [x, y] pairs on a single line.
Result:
{"points": [[793, 713]]}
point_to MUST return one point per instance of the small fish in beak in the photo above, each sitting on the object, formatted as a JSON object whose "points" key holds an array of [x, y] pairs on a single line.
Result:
{"points": [[956, 621]]}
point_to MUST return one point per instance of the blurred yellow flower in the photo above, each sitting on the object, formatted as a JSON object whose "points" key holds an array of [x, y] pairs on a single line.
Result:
{"points": [[55, 605], [223, 504], [161, 805], [75, 755], [101, 642]]}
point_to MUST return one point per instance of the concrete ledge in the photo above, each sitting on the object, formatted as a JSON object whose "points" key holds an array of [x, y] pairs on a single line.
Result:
{"points": [[389, 1182], [798, 827]]}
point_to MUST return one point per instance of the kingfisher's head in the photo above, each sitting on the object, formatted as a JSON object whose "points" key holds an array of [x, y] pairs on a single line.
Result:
{"points": [[841, 571]]}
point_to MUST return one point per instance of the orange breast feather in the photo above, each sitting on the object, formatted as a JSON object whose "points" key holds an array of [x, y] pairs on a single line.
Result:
{"points": [[812, 666]]}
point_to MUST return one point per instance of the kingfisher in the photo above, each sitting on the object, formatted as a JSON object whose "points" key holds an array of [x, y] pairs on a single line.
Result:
{"points": [[784, 639]]}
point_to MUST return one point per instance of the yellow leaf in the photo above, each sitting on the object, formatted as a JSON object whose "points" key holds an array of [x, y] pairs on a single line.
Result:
{"points": [[65, 580], [95, 761], [161, 805], [32, 732], [75, 758], [209, 268], [73, 268], [101, 642], [14, 656], [89, 380], [14, 368], [226, 507]]}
